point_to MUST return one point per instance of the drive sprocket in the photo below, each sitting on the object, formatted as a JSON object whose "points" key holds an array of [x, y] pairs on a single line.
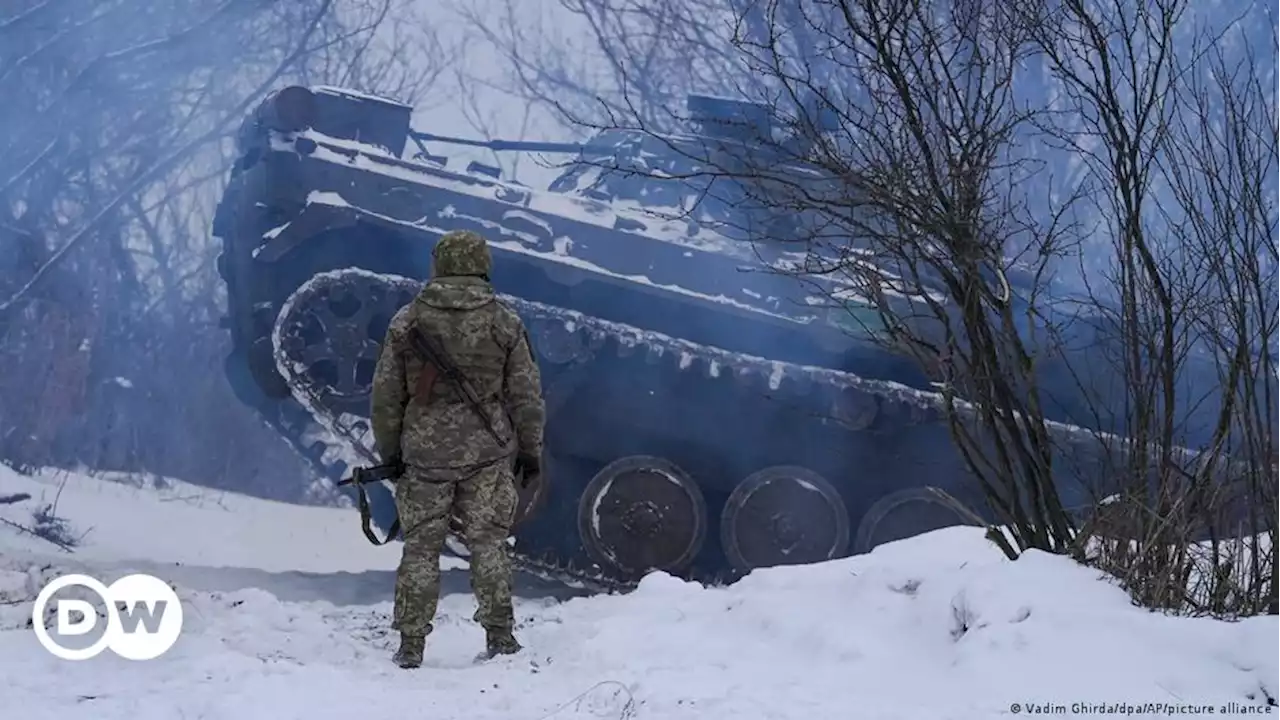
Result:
{"points": [[329, 335]]}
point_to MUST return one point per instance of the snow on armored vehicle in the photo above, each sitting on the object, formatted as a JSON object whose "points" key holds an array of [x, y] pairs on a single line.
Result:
{"points": [[705, 416]]}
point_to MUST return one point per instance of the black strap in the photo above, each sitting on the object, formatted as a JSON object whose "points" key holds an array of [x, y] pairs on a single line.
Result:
{"points": [[430, 351], [359, 477], [366, 525]]}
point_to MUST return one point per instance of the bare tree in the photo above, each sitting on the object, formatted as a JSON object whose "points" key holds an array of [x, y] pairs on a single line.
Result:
{"points": [[596, 61], [104, 100], [114, 125], [114, 147], [1181, 143], [964, 144], [910, 112]]}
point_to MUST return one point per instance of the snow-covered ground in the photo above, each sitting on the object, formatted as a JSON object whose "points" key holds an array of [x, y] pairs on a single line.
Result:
{"points": [[287, 612], [167, 521]]}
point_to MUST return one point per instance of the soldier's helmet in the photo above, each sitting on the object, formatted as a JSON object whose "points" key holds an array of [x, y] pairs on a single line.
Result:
{"points": [[461, 252]]}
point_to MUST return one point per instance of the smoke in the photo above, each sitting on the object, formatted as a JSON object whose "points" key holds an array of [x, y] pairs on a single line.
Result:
{"points": [[633, 63], [115, 141]]}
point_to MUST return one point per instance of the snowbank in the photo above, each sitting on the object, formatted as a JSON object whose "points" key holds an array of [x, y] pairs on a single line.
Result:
{"points": [[940, 626]]}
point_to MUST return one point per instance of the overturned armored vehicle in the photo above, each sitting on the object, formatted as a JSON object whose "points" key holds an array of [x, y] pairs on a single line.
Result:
{"points": [[705, 416]]}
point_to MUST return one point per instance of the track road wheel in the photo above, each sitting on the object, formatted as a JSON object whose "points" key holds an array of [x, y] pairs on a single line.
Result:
{"points": [[910, 512], [642, 513], [783, 515]]}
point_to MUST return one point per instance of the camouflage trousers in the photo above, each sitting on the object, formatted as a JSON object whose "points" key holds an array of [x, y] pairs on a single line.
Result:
{"points": [[484, 502]]}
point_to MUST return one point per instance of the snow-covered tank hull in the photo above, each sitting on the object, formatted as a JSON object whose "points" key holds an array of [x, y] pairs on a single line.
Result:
{"points": [[705, 416]]}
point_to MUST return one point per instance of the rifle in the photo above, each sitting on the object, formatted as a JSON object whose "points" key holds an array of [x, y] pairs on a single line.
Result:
{"points": [[434, 356], [436, 360], [528, 499], [364, 475]]}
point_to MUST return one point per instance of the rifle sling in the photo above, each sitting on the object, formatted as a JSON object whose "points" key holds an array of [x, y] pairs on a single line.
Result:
{"points": [[436, 358], [359, 477], [366, 525], [435, 361]]}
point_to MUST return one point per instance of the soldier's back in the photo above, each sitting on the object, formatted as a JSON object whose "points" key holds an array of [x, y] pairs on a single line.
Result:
{"points": [[476, 332]]}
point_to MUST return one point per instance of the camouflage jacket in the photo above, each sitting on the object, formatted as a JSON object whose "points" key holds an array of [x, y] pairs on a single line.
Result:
{"points": [[489, 344]]}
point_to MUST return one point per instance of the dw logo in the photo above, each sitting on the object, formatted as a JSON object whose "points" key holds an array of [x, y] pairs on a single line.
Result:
{"points": [[144, 617]]}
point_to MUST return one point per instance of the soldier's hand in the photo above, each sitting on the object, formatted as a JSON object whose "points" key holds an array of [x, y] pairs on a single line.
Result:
{"points": [[527, 469]]}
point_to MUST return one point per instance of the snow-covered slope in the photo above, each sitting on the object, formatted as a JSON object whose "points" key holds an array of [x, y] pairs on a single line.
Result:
{"points": [[168, 521], [935, 627]]}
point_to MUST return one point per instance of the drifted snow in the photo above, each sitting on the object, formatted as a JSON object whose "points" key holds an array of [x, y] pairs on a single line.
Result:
{"points": [[937, 627], [670, 650]]}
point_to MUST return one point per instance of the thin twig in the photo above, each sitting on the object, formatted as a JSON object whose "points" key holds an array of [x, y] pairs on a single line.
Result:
{"points": [[23, 528]]}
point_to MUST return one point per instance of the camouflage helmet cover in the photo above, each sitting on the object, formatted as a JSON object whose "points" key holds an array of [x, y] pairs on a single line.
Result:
{"points": [[461, 252]]}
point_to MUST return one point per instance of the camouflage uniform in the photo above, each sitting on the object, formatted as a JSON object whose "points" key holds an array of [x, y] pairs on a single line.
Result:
{"points": [[453, 464]]}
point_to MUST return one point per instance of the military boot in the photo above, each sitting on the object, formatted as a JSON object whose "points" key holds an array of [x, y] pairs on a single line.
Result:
{"points": [[500, 642], [410, 653]]}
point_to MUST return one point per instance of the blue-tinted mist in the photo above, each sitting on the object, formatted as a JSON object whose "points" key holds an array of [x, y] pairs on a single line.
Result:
{"points": [[113, 151], [1046, 169]]}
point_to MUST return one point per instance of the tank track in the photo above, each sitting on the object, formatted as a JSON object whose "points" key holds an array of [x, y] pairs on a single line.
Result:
{"points": [[335, 441], [323, 441]]}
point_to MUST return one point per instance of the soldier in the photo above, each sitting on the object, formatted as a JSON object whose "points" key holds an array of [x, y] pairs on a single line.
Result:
{"points": [[455, 461]]}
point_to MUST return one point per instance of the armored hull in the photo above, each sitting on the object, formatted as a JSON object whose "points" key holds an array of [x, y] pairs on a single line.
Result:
{"points": [[708, 413]]}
